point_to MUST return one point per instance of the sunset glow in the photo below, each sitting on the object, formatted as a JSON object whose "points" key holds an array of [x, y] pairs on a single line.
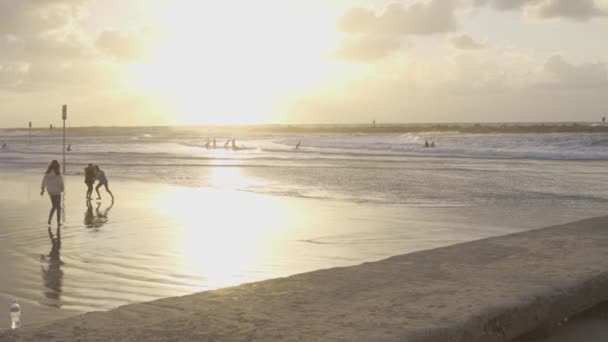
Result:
{"points": [[349, 61]]}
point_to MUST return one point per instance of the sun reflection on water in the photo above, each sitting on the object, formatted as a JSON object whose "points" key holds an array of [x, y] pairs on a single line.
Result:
{"points": [[222, 235]]}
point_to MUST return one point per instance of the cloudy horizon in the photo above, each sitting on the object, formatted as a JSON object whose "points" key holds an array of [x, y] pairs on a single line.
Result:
{"points": [[160, 62]]}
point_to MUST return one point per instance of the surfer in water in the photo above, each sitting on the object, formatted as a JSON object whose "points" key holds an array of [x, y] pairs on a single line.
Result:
{"points": [[103, 180]]}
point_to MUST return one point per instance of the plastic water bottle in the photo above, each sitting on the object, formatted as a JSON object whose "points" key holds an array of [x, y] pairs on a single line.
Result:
{"points": [[15, 315]]}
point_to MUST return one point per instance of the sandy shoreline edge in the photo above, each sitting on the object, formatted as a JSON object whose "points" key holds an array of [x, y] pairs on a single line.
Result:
{"points": [[494, 289]]}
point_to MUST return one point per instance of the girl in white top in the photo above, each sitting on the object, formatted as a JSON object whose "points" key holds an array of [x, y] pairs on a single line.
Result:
{"points": [[53, 182]]}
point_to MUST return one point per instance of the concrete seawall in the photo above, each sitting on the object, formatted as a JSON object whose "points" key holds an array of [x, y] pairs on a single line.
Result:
{"points": [[494, 289]]}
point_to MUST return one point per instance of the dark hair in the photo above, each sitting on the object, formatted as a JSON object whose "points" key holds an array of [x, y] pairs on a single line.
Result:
{"points": [[54, 166], [97, 167]]}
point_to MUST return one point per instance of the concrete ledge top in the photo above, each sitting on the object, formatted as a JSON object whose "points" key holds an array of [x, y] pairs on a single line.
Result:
{"points": [[494, 289]]}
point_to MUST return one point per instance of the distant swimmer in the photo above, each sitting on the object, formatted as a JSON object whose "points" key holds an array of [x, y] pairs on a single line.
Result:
{"points": [[433, 144], [426, 143], [214, 145], [208, 143], [4, 146], [226, 144], [234, 147], [69, 148], [298, 145]]}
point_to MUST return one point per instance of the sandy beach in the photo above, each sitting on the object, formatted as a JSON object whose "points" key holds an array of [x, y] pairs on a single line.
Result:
{"points": [[158, 241], [489, 290]]}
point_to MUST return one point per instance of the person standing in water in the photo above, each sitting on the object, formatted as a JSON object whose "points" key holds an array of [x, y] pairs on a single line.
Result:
{"points": [[53, 182], [103, 180], [89, 179]]}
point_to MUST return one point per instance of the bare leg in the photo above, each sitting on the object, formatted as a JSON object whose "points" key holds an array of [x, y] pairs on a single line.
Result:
{"points": [[110, 192], [97, 189], [56, 205], [51, 214]]}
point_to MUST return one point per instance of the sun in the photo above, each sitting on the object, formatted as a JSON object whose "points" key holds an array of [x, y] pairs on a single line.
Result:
{"points": [[223, 63]]}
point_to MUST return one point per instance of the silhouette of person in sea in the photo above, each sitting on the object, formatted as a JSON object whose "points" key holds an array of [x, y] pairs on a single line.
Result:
{"points": [[226, 144], [4, 146], [214, 144], [103, 180], [53, 183], [52, 275], [298, 145], [69, 148], [432, 144], [234, 147], [208, 143], [426, 143]]}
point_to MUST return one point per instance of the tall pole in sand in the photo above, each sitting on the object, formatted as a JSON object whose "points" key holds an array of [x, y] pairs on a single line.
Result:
{"points": [[30, 132], [64, 116]]}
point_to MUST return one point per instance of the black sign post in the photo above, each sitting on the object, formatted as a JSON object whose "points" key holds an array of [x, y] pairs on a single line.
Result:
{"points": [[64, 116]]}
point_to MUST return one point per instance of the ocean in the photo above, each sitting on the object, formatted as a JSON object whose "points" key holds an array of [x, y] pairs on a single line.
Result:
{"points": [[268, 209], [464, 169]]}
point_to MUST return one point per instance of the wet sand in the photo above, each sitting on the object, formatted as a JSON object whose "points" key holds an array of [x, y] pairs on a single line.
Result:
{"points": [[160, 241], [488, 290]]}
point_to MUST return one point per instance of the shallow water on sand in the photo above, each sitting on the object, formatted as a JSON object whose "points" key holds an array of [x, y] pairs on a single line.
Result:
{"points": [[161, 240]]}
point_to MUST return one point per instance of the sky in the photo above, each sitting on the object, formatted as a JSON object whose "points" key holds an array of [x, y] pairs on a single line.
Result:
{"points": [[184, 62]]}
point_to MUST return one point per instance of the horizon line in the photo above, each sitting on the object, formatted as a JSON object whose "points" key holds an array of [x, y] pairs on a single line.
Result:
{"points": [[313, 124]]}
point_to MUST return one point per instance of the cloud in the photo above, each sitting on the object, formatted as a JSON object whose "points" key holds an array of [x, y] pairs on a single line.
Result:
{"points": [[132, 46], [580, 10], [505, 4], [492, 85], [19, 17], [563, 74], [371, 35], [577, 9], [41, 49], [366, 48], [12, 74], [465, 42], [420, 18]]}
